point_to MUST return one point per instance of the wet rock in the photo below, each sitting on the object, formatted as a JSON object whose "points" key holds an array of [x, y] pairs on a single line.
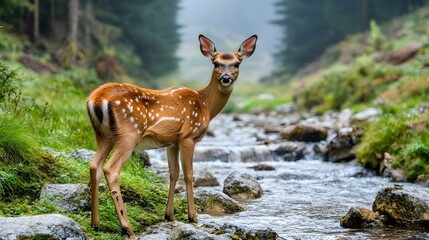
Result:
{"points": [[69, 197], [236, 232], [144, 159], [386, 170], [242, 186], [189, 232], [254, 153], [340, 148], [361, 218], [263, 167], [287, 108], [403, 207], [366, 115], [83, 154], [304, 133], [288, 151], [49, 226], [204, 178], [215, 202]]}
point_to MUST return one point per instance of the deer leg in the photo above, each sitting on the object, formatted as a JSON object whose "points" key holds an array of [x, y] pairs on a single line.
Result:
{"points": [[173, 165], [187, 149], [95, 171], [111, 172]]}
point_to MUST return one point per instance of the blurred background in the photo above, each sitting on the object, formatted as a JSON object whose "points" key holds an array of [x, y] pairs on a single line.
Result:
{"points": [[322, 55]]}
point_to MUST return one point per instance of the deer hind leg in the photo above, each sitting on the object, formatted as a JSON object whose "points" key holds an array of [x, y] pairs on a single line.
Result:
{"points": [[173, 165], [95, 171], [111, 172], [187, 149]]}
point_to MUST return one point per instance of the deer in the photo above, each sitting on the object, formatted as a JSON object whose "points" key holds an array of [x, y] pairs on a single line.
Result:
{"points": [[125, 117]]}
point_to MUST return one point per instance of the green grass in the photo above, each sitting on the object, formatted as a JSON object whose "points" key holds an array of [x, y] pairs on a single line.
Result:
{"points": [[402, 135], [49, 110]]}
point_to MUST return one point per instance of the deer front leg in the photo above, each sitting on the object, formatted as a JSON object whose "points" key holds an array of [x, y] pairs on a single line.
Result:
{"points": [[111, 172], [95, 171], [173, 165], [187, 149]]}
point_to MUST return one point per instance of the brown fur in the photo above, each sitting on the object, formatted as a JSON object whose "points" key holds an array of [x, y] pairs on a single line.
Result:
{"points": [[125, 116]]}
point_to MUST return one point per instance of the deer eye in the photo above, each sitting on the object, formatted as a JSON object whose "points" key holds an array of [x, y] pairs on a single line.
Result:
{"points": [[237, 65], [216, 64]]}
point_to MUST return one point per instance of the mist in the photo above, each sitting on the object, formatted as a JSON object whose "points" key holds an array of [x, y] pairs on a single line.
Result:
{"points": [[227, 24]]}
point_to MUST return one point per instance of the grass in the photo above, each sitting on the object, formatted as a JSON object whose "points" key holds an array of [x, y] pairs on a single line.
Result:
{"points": [[49, 110]]}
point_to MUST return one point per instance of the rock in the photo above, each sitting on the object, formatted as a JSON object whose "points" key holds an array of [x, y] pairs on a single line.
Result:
{"points": [[287, 108], [386, 170], [69, 197], [189, 232], [304, 133], [366, 115], [83, 154], [288, 151], [242, 186], [361, 218], [340, 148], [236, 232], [215, 202], [144, 159], [254, 153], [404, 54], [263, 167], [204, 178], [49, 226], [403, 207]]}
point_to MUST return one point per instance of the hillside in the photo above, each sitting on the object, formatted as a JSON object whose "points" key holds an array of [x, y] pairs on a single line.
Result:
{"points": [[386, 68]]}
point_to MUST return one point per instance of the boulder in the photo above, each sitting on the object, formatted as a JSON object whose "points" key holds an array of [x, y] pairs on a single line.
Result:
{"points": [[239, 232], [288, 151], [49, 226], [204, 178], [69, 197], [361, 218], [215, 202], [366, 115], [254, 153], [242, 186], [387, 170], [403, 207], [263, 167], [189, 232], [84, 154], [304, 132], [340, 148]]}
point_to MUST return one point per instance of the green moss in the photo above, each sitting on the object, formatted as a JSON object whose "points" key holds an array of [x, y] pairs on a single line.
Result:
{"points": [[402, 135]]}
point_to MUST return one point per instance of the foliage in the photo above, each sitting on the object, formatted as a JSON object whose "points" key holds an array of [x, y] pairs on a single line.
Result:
{"points": [[49, 110], [311, 26], [404, 136]]}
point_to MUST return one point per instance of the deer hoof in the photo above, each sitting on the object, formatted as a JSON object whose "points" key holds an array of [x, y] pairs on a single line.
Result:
{"points": [[193, 219]]}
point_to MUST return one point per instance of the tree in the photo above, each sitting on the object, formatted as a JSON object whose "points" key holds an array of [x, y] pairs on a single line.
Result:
{"points": [[310, 26]]}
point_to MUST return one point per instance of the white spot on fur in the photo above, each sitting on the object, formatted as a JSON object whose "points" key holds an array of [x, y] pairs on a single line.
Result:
{"points": [[118, 102], [131, 119]]}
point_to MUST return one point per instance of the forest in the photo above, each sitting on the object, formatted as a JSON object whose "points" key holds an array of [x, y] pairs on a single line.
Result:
{"points": [[329, 61]]}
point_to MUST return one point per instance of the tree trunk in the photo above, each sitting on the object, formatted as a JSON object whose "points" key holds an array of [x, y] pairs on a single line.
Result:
{"points": [[73, 20], [36, 29]]}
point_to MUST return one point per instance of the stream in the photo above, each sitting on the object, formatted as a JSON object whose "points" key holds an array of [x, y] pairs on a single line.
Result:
{"points": [[302, 199]]}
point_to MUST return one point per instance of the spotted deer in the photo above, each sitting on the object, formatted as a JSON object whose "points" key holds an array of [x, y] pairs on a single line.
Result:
{"points": [[125, 116]]}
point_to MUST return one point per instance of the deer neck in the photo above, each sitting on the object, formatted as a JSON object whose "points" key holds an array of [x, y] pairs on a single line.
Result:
{"points": [[215, 96]]}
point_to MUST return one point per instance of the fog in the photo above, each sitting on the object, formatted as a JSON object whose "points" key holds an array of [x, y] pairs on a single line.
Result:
{"points": [[227, 23]]}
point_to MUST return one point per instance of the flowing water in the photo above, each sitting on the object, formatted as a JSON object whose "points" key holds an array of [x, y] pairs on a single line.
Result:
{"points": [[303, 199]]}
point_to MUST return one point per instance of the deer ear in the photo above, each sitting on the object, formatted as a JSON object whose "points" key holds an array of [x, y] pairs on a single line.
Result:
{"points": [[248, 47], [207, 47]]}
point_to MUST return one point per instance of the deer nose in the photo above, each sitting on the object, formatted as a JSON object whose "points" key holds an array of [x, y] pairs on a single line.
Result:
{"points": [[226, 80]]}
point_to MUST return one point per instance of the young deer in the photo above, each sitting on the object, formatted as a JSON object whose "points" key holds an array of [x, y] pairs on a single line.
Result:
{"points": [[125, 117]]}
